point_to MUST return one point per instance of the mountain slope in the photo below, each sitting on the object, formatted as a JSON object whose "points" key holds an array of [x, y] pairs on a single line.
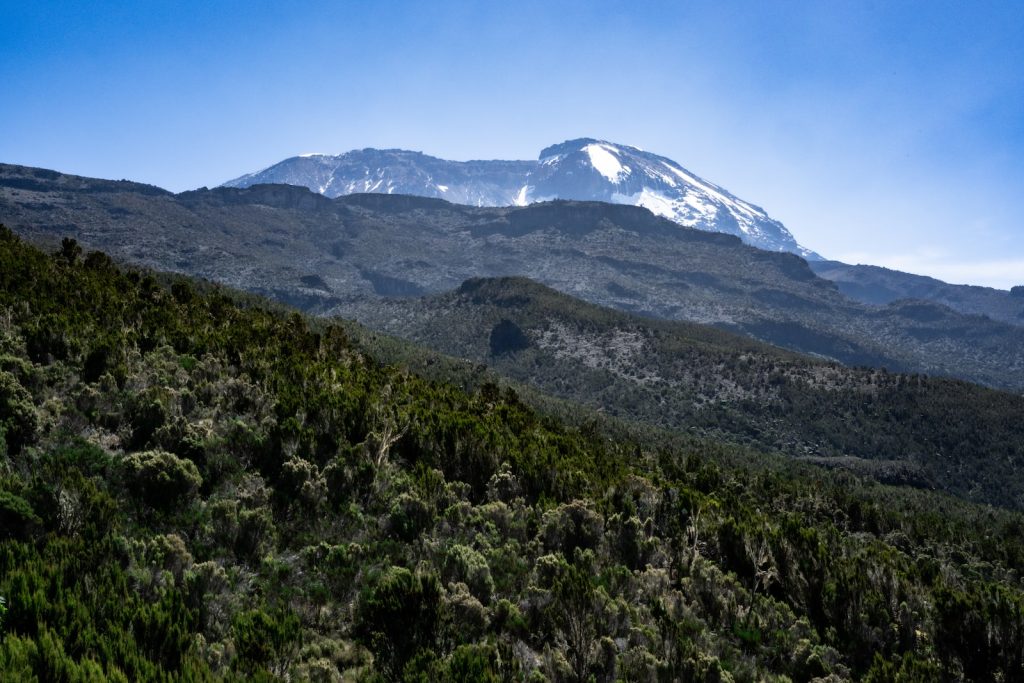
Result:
{"points": [[881, 286], [583, 169], [191, 489], [690, 377], [396, 171], [333, 255]]}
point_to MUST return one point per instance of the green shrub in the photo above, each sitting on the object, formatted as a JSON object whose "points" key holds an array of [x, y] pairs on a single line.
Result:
{"points": [[18, 418], [161, 479], [476, 663], [261, 637], [17, 518], [256, 533], [398, 615], [571, 526], [463, 564], [409, 517]]}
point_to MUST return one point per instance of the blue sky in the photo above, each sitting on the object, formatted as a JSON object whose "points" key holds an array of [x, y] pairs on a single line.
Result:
{"points": [[878, 132]]}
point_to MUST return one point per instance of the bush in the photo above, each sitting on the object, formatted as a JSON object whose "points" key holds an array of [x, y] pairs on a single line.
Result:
{"points": [[477, 663], [18, 418], [398, 615], [260, 638], [572, 526], [465, 565], [146, 414], [161, 479], [409, 517], [17, 518], [256, 533]]}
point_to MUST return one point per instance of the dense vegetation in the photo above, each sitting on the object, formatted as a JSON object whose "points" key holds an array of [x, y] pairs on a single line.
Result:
{"points": [[195, 489], [924, 431]]}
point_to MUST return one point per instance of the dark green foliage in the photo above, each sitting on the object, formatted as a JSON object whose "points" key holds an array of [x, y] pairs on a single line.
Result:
{"points": [[574, 612], [17, 518], [398, 616], [70, 251], [18, 418], [472, 663], [905, 669], [506, 337], [161, 479], [409, 517], [262, 638], [195, 487], [51, 600]]}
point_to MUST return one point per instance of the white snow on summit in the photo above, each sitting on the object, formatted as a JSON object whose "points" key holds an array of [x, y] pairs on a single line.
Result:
{"points": [[611, 172], [603, 159], [741, 206]]}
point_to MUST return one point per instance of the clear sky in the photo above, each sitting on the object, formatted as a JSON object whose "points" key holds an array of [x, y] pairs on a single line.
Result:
{"points": [[880, 132]]}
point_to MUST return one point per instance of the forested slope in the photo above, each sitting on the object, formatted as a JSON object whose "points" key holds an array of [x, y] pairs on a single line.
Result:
{"points": [[193, 489], [925, 431]]}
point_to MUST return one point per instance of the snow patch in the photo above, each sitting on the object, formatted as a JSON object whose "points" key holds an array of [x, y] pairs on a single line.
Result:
{"points": [[693, 200], [603, 159], [520, 199], [657, 203], [714, 193], [689, 211]]}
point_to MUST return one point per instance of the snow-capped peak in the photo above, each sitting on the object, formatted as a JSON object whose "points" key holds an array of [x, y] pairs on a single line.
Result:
{"points": [[583, 169]]}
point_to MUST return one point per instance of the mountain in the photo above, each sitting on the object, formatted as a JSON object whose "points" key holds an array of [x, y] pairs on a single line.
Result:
{"points": [[583, 169], [589, 169], [695, 378], [882, 286], [335, 256]]}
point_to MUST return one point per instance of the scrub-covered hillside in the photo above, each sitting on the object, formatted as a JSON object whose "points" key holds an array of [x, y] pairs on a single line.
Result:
{"points": [[192, 488]]}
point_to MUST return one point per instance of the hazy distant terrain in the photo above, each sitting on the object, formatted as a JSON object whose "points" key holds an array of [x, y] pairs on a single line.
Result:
{"points": [[881, 286]]}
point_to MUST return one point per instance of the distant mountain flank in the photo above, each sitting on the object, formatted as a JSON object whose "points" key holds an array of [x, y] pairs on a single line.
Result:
{"points": [[583, 169], [882, 286]]}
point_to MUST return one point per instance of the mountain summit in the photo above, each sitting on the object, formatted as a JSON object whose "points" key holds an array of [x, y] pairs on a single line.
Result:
{"points": [[581, 169]]}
